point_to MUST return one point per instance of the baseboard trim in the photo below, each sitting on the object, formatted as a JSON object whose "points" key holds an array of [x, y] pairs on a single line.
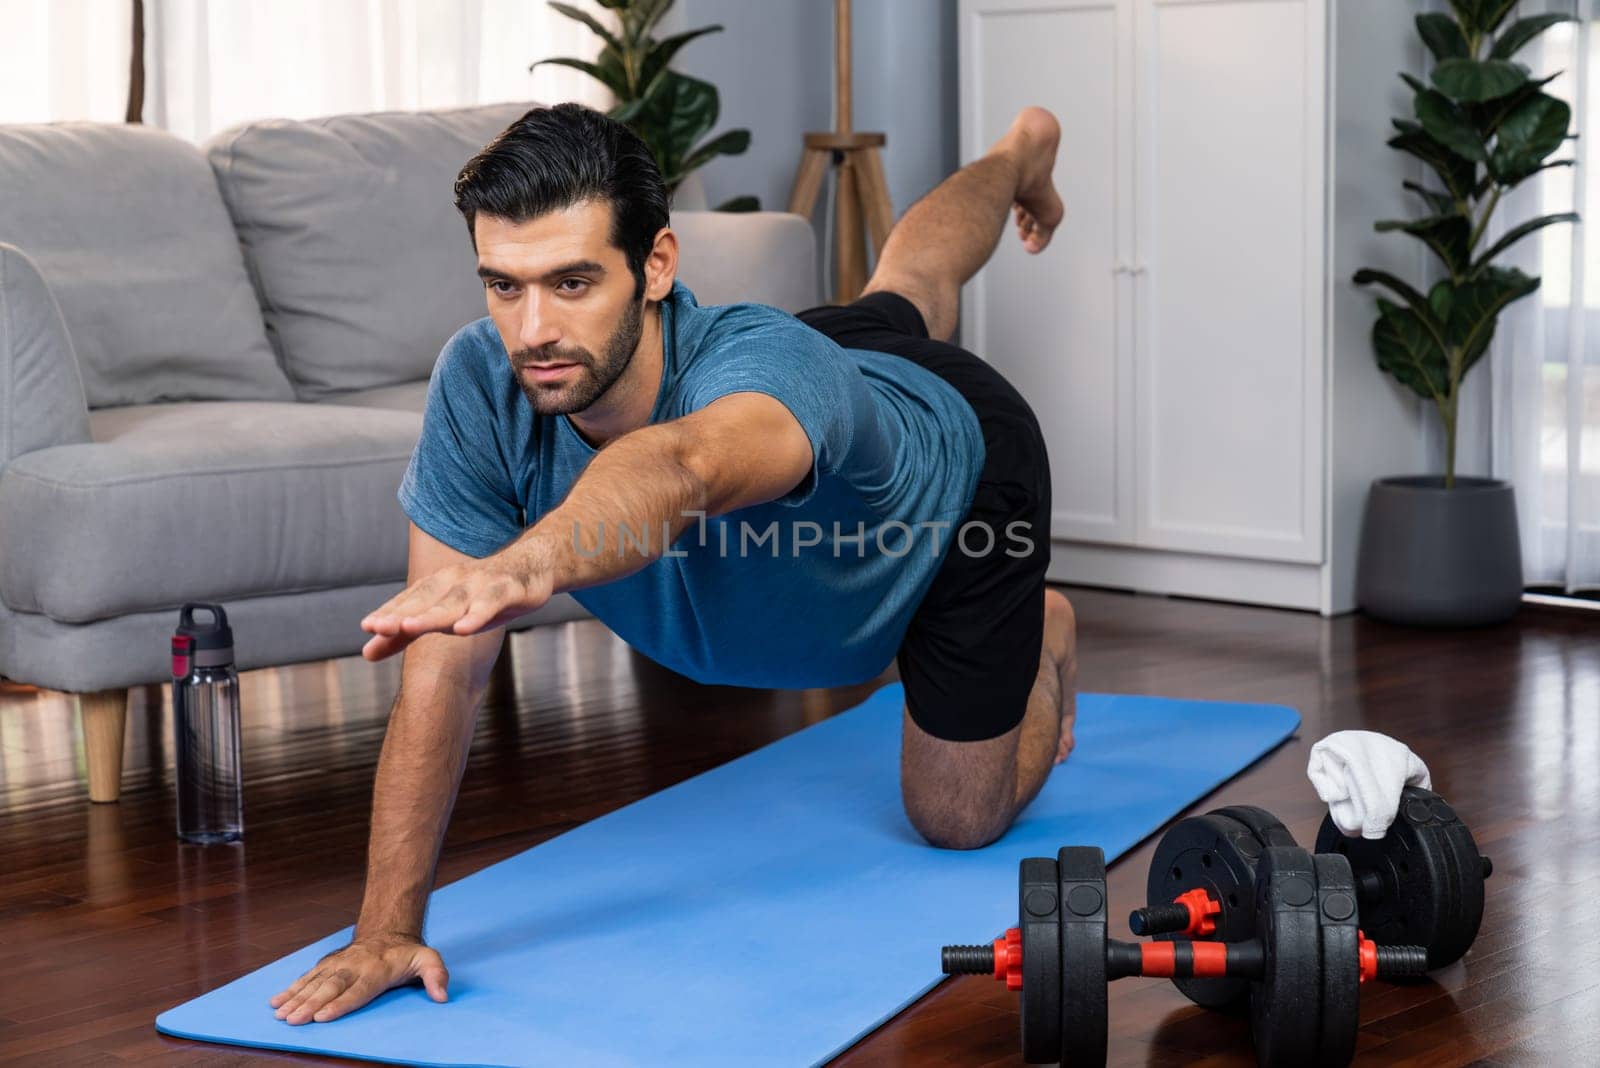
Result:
{"points": [[1217, 578]]}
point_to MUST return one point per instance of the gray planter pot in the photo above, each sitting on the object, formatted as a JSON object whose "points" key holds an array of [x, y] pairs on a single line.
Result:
{"points": [[1440, 557]]}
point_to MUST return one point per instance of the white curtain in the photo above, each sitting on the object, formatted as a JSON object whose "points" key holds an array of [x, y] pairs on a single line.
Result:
{"points": [[64, 59], [1530, 413], [210, 64]]}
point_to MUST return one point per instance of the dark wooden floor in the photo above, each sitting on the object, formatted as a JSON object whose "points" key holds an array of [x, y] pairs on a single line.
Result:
{"points": [[105, 920]]}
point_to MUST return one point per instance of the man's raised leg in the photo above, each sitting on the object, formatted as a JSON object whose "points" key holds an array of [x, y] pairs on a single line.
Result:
{"points": [[945, 237]]}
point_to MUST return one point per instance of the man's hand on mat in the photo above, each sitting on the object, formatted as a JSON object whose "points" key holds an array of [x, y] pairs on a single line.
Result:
{"points": [[348, 978], [459, 599]]}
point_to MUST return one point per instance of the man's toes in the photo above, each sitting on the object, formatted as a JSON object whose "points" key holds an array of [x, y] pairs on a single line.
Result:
{"points": [[1064, 749]]}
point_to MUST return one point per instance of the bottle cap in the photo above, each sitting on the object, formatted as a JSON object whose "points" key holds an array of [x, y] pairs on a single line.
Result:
{"points": [[211, 643]]}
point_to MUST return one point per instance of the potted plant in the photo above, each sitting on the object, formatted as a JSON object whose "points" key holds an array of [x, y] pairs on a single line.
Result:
{"points": [[1445, 550], [669, 111]]}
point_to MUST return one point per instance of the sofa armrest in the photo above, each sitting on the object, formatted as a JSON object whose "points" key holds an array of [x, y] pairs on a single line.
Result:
{"points": [[41, 392], [769, 257]]}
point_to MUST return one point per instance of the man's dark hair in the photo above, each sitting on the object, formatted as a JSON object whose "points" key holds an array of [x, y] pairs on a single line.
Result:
{"points": [[554, 157]]}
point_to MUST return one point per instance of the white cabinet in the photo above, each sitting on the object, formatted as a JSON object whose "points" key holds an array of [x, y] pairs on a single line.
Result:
{"points": [[1060, 325], [1180, 338]]}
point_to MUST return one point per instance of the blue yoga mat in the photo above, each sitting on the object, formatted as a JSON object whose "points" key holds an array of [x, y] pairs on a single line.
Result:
{"points": [[768, 912]]}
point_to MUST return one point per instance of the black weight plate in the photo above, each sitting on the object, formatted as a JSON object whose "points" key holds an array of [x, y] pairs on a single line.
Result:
{"points": [[1218, 855], [1038, 915], [1286, 1004], [1341, 960], [1267, 827], [1084, 1009], [1430, 874]]}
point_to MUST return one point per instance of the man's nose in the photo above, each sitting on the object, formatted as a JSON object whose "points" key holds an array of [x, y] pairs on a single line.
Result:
{"points": [[538, 327]]}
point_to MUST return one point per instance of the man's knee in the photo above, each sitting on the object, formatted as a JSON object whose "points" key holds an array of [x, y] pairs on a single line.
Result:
{"points": [[936, 304], [954, 827], [958, 795]]}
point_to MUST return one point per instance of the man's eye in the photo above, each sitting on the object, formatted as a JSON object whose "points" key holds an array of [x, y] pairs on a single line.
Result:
{"points": [[495, 284], [580, 282]]}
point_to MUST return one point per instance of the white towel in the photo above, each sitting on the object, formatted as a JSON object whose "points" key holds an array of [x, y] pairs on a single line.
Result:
{"points": [[1360, 775]]}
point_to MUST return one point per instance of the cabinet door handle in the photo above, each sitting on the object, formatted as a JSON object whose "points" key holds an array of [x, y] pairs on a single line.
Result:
{"points": [[1137, 270], [1122, 268]]}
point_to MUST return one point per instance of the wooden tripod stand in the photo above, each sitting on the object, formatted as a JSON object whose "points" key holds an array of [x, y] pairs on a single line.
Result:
{"points": [[862, 192]]}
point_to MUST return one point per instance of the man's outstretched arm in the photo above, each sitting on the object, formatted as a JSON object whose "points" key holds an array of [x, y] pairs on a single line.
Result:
{"points": [[740, 450]]}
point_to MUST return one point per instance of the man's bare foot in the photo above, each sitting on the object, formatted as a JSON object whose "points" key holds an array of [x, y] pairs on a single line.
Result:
{"points": [[1061, 632], [1032, 138]]}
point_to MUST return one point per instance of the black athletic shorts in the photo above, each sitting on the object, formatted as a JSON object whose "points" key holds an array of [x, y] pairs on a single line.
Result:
{"points": [[971, 652]]}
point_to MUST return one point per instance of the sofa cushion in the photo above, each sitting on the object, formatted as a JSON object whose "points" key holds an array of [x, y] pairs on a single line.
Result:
{"points": [[182, 502], [765, 257], [363, 265], [407, 396], [724, 257], [128, 230]]}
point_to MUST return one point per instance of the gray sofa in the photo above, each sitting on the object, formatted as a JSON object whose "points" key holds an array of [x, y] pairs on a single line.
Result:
{"points": [[212, 369]]}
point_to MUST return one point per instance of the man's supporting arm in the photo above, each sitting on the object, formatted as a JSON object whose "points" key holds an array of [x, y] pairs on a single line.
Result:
{"points": [[419, 771], [443, 680]]}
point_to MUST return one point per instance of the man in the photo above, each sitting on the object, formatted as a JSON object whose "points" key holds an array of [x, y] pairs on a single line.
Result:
{"points": [[746, 496]]}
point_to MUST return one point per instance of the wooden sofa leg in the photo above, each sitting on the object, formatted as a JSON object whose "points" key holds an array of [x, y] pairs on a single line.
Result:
{"points": [[105, 718]]}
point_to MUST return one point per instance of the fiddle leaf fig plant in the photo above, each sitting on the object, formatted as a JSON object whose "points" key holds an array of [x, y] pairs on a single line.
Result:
{"points": [[669, 111], [1483, 127]]}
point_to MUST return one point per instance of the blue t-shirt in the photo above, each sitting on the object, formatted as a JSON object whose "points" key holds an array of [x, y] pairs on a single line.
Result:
{"points": [[813, 589]]}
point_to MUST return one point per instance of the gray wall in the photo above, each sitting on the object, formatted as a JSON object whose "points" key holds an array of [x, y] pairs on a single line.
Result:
{"points": [[905, 84], [1375, 425], [773, 65]]}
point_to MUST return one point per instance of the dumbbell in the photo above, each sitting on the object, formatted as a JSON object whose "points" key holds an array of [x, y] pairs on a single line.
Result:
{"points": [[1303, 964], [1422, 883]]}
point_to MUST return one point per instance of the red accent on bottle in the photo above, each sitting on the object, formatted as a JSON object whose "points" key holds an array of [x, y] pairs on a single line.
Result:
{"points": [[1210, 959], [1369, 957], [1008, 959], [1202, 906], [1158, 959], [180, 655]]}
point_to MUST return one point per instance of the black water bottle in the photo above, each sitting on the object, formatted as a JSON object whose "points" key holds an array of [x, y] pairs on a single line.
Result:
{"points": [[205, 709]]}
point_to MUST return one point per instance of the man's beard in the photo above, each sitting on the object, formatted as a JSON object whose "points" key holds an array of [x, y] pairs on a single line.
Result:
{"points": [[585, 385]]}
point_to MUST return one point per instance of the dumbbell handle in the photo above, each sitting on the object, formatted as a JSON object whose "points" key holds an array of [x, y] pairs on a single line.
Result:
{"points": [[1158, 959], [1180, 959], [1190, 914], [1184, 959], [1244, 960]]}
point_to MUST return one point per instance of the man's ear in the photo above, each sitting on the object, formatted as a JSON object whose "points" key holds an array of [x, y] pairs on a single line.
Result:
{"points": [[661, 266]]}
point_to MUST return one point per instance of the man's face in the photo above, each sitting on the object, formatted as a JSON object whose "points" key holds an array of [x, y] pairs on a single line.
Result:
{"points": [[562, 298]]}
